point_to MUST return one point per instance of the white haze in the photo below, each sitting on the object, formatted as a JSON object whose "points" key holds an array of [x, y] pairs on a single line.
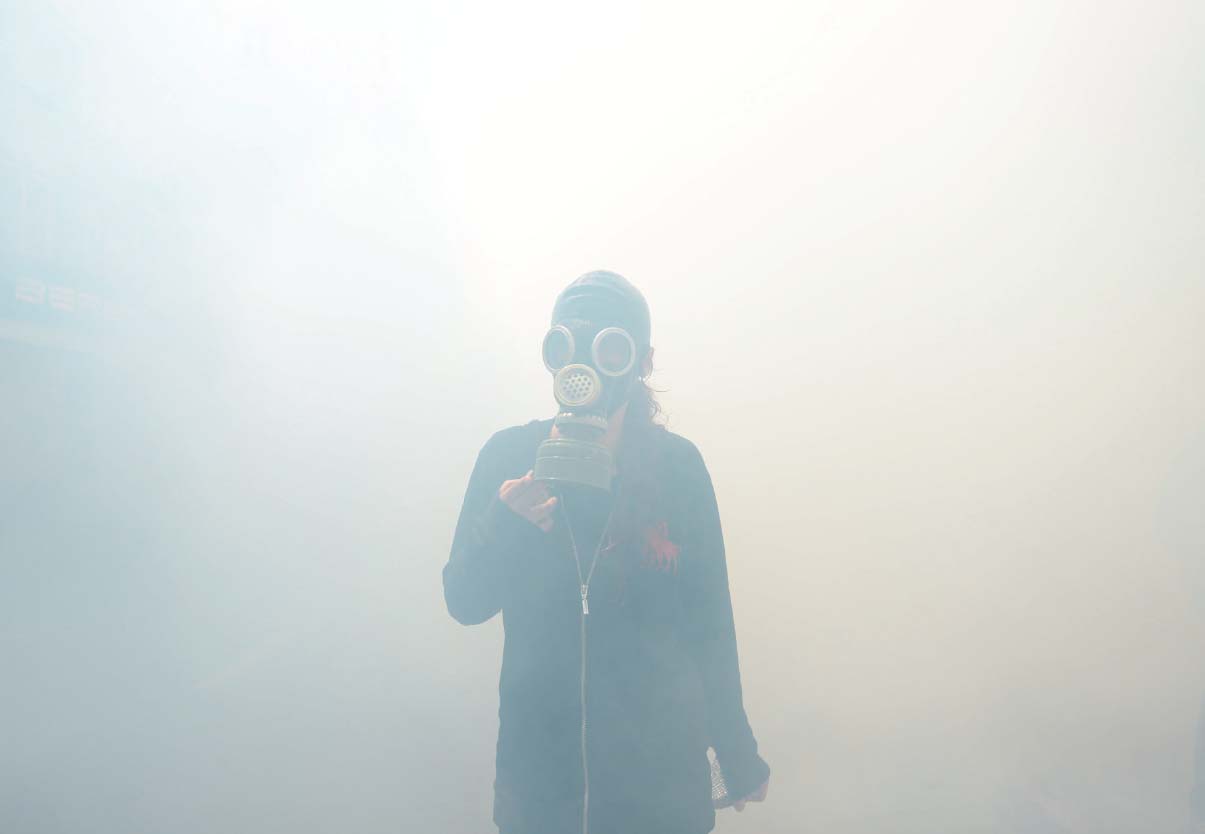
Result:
{"points": [[927, 289]]}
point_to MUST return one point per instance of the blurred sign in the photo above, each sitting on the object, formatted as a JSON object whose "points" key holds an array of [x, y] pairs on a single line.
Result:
{"points": [[43, 312]]}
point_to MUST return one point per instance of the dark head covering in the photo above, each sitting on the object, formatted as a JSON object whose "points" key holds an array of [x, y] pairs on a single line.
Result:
{"points": [[607, 299]]}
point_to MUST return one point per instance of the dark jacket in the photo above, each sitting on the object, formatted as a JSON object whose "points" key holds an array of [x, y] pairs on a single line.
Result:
{"points": [[661, 681]]}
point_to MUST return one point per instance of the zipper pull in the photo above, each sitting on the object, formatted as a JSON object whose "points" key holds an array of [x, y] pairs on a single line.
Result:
{"points": [[585, 604]]}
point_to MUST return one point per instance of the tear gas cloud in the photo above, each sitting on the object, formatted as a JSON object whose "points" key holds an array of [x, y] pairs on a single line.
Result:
{"points": [[926, 291]]}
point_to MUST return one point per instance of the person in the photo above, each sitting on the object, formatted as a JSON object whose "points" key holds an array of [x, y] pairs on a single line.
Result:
{"points": [[620, 671]]}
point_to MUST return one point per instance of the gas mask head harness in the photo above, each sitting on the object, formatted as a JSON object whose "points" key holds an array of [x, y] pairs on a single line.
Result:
{"points": [[594, 350]]}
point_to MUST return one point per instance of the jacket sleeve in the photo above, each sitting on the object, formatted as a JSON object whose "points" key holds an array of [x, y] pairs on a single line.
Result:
{"points": [[488, 541], [710, 635]]}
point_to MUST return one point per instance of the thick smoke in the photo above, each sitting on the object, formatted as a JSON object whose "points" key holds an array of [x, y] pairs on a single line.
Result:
{"points": [[926, 292]]}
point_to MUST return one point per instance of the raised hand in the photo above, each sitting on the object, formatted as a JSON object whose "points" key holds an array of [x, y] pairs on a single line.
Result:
{"points": [[529, 498]]}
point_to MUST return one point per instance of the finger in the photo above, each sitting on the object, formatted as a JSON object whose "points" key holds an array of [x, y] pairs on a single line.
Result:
{"points": [[504, 491], [543, 509], [535, 494], [518, 485], [534, 497], [511, 490]]}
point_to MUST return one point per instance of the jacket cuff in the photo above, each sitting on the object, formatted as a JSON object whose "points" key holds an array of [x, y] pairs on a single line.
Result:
{"points": [[743, 774]]}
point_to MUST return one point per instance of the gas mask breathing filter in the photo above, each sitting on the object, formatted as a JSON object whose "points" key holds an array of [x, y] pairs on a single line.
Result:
{"points": [[599, 335]]}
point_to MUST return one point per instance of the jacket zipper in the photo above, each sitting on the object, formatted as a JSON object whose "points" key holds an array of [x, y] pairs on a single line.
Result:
{"points": [[585, 762], [585, 593]]}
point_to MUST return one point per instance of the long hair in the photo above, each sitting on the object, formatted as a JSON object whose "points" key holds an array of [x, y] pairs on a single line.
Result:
{"points": [[643, 408], [639, 486]]}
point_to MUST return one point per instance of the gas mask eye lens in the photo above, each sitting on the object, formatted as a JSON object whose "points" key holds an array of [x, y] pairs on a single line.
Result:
{"points": [[558, 348], [614, 351]]}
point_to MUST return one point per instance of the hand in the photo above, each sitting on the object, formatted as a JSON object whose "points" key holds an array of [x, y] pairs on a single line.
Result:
{"points": [[529, 498], [758, 795]]}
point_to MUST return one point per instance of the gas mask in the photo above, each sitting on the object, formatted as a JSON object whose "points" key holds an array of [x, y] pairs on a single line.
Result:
{"points": [[593, 371]]}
